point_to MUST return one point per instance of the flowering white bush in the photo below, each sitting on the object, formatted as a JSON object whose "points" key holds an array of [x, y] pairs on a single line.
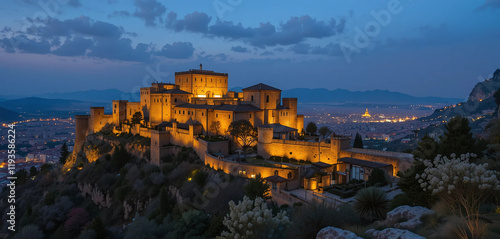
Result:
{"points": [[446, 174], [252, 219], [464, 186]]}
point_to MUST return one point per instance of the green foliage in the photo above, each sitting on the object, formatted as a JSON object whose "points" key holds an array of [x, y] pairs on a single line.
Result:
{"points": [[45, 168], [137, 118], [311, 128], [192, 224], [358, 141], [22, 176], [257, 187], [371, 203], [308, 220], [377, 176], [243, 132], [64, 154], [427, 148], [400, 200], [458, 139], [411, 187], [215, 127], [324, 131], [33, 171], [200, 178], [120, 157], [29, 232]]}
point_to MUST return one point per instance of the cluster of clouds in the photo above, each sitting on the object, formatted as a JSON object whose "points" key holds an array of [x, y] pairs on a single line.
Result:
{"points": [[83, 36]]}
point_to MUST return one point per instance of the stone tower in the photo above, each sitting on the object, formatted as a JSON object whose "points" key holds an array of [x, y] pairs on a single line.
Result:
{"points": [[81, 131]]}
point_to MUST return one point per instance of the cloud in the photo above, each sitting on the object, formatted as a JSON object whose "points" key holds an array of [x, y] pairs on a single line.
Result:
{"points": [[71, 3], [51, 27], [493, 4], [26, 45], [150, 11], [239, 49], [77, 46], [193, 22], [301, 48], [121, 13], [177, 50], [85, 37], [74, 3], [293, 31]]}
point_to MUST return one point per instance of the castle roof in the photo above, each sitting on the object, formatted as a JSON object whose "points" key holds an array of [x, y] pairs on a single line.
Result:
{"points": [[276, 179], [171, 91], [201, 72], [261, 86], [239, 108], [196, 106], [279, 128], [363, 163]]}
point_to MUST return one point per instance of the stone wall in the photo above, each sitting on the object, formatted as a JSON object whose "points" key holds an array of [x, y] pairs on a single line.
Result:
{"points": [[248, 170]]}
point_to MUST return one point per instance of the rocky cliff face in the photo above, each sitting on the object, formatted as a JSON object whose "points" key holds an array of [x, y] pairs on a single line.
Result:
{"points": [[485, 89]]}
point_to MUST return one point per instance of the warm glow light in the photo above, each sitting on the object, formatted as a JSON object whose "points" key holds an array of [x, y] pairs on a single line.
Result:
{"points": [[189, 179], [253, 176], [217, 96], [201, 96]]}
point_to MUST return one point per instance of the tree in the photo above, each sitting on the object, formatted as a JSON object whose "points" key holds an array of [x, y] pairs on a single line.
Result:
{"points": [[427, 148], [215, 127], [64, 154], [33, 171], [257, 187], [29, 232], [377, 176], [324, 131], [137, 118], [497, 97], [458, 138], [77, 218], [371, 203], [22, 176], [243, 132], [311, 128], [252, 219], [358, 141]]}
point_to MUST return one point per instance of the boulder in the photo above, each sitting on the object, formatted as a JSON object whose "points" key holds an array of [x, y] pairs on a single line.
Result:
{"points": [[411, 214], [390, 233], [335, 233]]}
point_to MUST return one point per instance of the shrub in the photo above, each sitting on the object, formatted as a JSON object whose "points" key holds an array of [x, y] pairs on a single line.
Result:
{"points": [[377, 176], [400, 200], [371, 203]]}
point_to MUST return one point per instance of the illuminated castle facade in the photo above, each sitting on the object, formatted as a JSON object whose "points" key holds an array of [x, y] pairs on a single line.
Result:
{"points": [[180, 113]]}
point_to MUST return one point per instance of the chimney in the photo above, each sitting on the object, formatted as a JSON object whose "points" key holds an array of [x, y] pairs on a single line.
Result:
{"points": [[201, 67]]}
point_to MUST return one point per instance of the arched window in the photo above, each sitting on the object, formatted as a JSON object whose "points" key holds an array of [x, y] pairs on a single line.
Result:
{"points": [[276, 172], [289, 175], [252, 97]]}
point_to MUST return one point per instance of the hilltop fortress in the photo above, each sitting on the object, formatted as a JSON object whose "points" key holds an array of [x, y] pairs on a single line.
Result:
{"points": [[182, 114]]}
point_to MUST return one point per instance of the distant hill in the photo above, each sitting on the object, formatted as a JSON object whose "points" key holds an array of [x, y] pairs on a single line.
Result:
{"points": [[372, 96], [480, 102], [305, 95], [7, 116], [33, 105], [93, 95]]}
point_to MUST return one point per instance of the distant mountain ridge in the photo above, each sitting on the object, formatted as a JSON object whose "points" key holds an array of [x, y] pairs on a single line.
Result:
{"points": [[305, 95], [33, 105], [7, 115]]}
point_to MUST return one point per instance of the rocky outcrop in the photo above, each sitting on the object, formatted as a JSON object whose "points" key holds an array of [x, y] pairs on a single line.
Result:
{"points": [[335, 233], [390, 233], [485, 89], [410, 214]]}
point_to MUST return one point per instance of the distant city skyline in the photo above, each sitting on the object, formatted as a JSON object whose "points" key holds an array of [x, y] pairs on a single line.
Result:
{"points": [[414, 47]]}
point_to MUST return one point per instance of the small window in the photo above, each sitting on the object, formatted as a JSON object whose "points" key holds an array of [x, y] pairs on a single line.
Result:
{"points": [[115, 106], [267, 99], [276, 172], [202, 113], [115, 111], [189, 113], [183, 112], [175, 100], [250, 116], [289, 175], [252, 97], [230, 116], [216, 115], [286, 113]]}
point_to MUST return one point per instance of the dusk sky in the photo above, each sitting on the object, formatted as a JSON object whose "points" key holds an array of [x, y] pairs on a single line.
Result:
{"points": [[422, 48]]}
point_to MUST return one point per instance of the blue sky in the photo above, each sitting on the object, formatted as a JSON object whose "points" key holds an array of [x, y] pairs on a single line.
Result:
{"points": [[422, 48]]}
